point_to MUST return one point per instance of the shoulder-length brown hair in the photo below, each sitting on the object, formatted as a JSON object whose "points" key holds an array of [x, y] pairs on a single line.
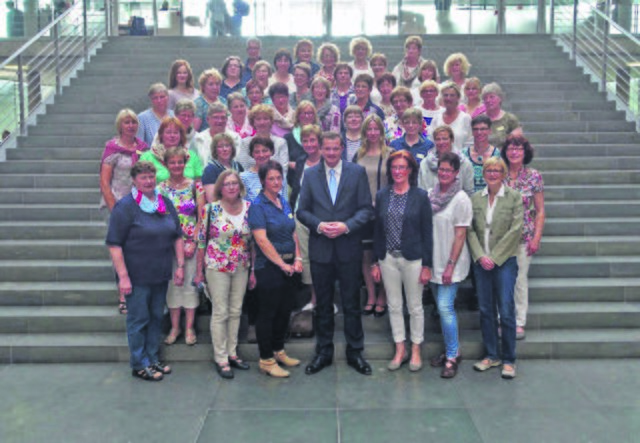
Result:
{"points": [[217, 188], [413, 165]]}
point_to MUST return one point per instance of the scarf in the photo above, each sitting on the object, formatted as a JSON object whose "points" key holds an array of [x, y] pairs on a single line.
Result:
{"points": [[283, 121], [234, 164], [112, 147], [408, 75], [158, 150], [147, 205], [439, 201], [323, 110]]}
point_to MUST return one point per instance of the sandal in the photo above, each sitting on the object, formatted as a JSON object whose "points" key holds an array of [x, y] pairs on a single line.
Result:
{"points": [[122, 307], [162, 368], [172, 337], [148, 374], [190, 337], [380, 313], [224, 370], [368, 309]]}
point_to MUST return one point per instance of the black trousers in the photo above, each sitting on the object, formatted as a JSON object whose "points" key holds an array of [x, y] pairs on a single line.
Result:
{"points": [[276, 296], [324, 276]]}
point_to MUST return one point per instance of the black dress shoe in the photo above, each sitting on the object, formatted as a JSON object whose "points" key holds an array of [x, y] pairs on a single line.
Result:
{"points": [[238, 363], [318, 363], [359, 364]]}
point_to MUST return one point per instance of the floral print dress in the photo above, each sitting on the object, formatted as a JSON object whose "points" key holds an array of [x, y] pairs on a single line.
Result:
{"points": [[185, 202]]}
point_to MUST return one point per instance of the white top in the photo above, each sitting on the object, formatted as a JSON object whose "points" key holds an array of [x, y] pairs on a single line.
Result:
{"points": [[281, 153], [461, 129], [490, 208], [428, 116], [236, 220], [458, 212], [202, 144], [290, 84], [357, 72]]}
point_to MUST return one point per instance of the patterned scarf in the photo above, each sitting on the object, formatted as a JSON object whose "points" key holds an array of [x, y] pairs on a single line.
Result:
{"points": [[147, 205], [283, 121], [409, 74], [440, 200]]}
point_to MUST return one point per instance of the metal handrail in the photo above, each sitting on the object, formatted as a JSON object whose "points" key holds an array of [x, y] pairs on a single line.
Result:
{"points": [[605, 50], [39, 68]]}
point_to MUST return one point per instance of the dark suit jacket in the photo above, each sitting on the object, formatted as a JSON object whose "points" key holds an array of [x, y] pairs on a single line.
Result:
{"points": [[353, 207], [295, 182], [416, 241]]}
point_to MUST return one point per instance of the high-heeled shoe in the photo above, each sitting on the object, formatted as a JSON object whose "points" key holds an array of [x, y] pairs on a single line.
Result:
{"points": [[271, 367]]}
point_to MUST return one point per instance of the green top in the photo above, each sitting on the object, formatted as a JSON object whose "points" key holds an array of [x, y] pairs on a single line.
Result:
{"points": [[193, 168]]}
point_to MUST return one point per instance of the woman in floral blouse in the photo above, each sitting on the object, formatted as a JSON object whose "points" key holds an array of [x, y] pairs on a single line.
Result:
{"points": [[224, 246], [517, 153], [187, 197]]}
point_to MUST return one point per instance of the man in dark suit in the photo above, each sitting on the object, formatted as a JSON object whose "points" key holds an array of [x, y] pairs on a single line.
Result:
{"points": [[335, 204]]}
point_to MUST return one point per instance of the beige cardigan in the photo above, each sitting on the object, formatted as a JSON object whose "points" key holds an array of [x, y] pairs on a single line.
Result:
{"points": [[506, 226]]}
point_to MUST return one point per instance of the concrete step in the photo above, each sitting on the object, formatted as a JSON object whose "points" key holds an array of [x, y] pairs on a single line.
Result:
{"points": [[605, 245], [39, 249], [591, 177], [576, 163], [582, 137], [52, 230], [589, 289], [50, 212], [56, 270], [518, 106], [105, 129], [573, 126], [554, 116], [48, 181], [593, 208], [592, 226], [563, 149], [93, 153], [46, 196], [70, 140], [52, 166], [583, 267], [88, 294], [112, 347], [587, 192]]}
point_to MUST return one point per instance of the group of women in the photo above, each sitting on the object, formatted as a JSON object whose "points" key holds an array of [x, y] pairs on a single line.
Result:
{"points": [[215, 174]]}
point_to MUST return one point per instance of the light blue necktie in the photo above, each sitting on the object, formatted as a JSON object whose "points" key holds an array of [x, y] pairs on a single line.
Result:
{"points": [[333, 185]]}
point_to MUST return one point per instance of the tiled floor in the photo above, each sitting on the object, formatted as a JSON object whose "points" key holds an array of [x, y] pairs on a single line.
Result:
{"points": [[550, 401]]}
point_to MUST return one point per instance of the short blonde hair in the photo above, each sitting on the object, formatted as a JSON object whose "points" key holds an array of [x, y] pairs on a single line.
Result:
{"points": [[124, 113], [321, 81], [156, 88], [457, 56], [474, 80], [495, 161], [429, 64], [443, 128], [206, 75], [217, 187], [184, 104], [260, 109], [451, 85], [331, 48], [304, 104], [493, 88], [379, 56], [403, 91], [429, 84], [360, 41], [311, 129], [414, 113], [302, 42], [259, 64], [177, 151], [413, 40]]}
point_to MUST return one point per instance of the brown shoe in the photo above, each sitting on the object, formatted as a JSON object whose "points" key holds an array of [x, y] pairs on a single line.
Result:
{"points": [[439, 360], [270, 367], [282, 357], [450, 369]]}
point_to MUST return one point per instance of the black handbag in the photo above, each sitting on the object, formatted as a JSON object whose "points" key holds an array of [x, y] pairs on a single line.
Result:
{"points": [[205, 307]]}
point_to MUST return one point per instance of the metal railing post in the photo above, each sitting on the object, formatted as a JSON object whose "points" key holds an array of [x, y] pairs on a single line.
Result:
{"points": [[107, 18], [56, 55], [85, 44], [552, 25], [155, 18], [575, 30], [21, 98], [605, 48]]}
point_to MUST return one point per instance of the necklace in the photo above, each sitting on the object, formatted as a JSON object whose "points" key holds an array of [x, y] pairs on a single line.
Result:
{"points": [[178, 185]]}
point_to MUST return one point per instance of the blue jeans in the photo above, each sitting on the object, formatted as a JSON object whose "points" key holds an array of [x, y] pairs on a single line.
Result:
{"points": [[145, 309], [496, 288], [445, 297]]}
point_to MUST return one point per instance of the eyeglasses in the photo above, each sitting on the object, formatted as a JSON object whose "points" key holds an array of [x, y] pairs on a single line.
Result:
{"points": [[515, 148], [446, 170], [480, 129], [493, 171]]}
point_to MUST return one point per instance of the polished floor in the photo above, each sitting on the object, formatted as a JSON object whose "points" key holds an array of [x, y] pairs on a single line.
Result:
{"points": [[550, 401]]}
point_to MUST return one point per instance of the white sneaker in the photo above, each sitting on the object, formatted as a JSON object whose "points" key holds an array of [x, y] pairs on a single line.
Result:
{"points": [[307, 307], [335, 309]]}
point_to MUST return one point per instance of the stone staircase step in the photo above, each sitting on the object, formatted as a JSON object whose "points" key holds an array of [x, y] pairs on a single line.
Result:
{"points": [[35, 212], [52, 230], [55, 293], [104, 129], [588, 192], [581, 137], [54, 153], [592, 208], [548, 150], [592, 226], [52, 166], [585, 266], [574, 163], [606, 245], [70, 140], [90, 181], [45, 196], [56, 270], [53, 249], [564, 126], [589, 289], [587, 177], [554, 116]]}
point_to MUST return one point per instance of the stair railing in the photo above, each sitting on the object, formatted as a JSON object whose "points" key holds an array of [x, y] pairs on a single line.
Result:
{"points": [[609, 54], [32, 75]]}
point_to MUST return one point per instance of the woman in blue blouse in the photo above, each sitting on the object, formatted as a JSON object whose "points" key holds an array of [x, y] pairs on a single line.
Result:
{"points": [[277, 262], [144, 237]]}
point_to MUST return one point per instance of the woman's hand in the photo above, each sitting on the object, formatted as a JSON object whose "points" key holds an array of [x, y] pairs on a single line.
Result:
{"points": [[287, 269], [425, 275], [189, 248], [375, 273], [533, 246], [124, 286], [297, 266], [447, 275], [252, 280], [486, 263], [178, 278], [198, 278]]}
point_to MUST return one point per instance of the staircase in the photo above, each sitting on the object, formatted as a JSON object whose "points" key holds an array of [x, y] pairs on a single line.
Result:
{"points": [[57, 296]]}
